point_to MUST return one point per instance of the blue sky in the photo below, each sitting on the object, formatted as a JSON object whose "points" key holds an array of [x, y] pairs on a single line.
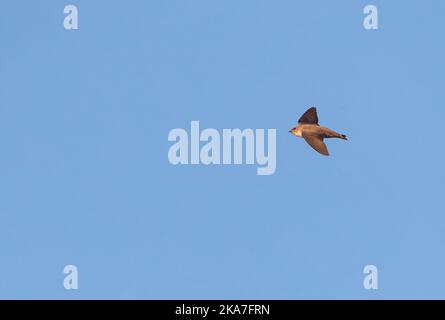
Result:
{"points": [[85, 178]]}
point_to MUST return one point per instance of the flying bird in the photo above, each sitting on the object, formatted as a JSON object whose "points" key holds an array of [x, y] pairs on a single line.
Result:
{"points": [[314, 134]]}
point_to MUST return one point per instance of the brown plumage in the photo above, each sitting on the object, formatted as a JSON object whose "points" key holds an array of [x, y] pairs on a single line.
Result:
{"points": [[314, 134]]}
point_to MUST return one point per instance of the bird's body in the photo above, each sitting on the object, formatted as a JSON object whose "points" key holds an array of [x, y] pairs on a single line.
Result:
{"points": [[315, 129], [309, 129]]}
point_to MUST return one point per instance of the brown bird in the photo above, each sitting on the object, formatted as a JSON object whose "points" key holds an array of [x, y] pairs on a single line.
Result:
{"points": [[313, 133]]}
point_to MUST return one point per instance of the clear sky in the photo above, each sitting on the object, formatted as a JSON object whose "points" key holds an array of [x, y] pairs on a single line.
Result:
{"points": [[85, 178]]}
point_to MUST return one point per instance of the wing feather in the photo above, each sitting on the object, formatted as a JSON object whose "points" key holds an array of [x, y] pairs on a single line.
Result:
{"points": [[316, 142], [309, 117]]}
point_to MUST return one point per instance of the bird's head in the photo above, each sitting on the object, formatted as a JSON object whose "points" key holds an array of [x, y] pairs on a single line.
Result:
{"points": [[295, 131]]}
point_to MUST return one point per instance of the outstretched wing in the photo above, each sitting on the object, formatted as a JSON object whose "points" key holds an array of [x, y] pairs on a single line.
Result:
{"points": [[316, 142], [309, 117]]}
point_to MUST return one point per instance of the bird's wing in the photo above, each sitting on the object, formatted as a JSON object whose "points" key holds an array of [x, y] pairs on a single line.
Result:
{"points": [[309, 117], [316, 142]]}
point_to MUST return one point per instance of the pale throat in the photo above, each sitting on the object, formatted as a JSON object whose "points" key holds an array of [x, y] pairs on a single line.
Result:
{"points": [[297, 132]]}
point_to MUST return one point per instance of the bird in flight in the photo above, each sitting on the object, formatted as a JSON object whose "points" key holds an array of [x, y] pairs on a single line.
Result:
{"points": [[314, 134]]}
